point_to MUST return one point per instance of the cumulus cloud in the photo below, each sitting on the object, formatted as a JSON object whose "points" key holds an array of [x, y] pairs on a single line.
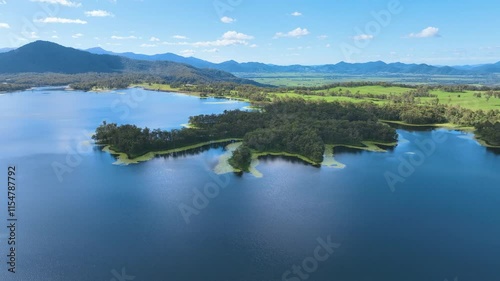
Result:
{"points": [[426, 33], [60, 2], [233, 35], [322, 37], [61, 20], [296, 14], [98, 13], [363, 37], [227, 20], [114, 37], [229, 38], [76, 36], [148, 45], [154, 39], [298, 32], [4, 25]]}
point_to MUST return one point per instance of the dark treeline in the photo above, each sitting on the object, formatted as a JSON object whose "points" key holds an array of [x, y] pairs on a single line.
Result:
{"points": [[291, 125], [227, 89], [490, 132]]}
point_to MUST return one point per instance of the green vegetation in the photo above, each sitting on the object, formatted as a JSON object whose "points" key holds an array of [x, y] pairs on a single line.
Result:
{"points": [[292, 126], [305, 79], [241, 158], [490, 132], [303, 128]]}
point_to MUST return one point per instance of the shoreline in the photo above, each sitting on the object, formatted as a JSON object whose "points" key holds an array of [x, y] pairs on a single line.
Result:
{"points": [[168, 89], [123, 158]]}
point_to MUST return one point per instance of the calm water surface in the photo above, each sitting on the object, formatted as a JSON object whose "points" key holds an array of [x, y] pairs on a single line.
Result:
{"points": [[99, 220]]}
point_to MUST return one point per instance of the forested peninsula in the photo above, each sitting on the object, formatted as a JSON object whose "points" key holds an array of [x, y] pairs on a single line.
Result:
{"points": [[294, 126]]}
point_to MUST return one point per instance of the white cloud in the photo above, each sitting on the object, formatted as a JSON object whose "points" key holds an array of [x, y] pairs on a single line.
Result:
{"points": [[188, 53], [148, 45], [76, 36], [426, 33], [233, 35], [177, 43], [363, 37], [54, 37], [33, 35], [298, 32], [61, 20], [60, 2], [254, 46], [4, 25], [179, 37], [228, 39], [227, 20], [3, 2], [154, 39], [214, 50], [114, 37], [98, 13], [328, 45], [296, 14], [322, 37]]}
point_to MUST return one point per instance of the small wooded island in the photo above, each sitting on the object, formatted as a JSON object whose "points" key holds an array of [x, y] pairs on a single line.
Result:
{"points": [[292, 126]]}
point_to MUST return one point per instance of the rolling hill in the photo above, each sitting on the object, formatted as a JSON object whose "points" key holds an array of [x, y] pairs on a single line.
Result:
{"points": [[48, 57]]}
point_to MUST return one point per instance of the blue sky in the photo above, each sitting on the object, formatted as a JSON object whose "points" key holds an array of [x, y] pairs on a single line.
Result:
{"points": [[271, 31]]}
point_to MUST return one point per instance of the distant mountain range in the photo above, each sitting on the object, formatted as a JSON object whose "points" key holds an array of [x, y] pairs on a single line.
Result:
{"points": [[369, 68], [43, 57]]}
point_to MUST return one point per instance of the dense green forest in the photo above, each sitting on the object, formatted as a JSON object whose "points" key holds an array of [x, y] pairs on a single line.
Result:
{"points": [[294, 126]]}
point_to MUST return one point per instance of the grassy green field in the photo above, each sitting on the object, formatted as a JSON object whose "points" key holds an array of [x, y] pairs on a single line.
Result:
{"points": [[318, 79], [465, 99]]}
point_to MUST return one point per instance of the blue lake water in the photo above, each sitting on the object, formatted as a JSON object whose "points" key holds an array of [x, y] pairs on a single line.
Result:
{"points": [[97, 221]]}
